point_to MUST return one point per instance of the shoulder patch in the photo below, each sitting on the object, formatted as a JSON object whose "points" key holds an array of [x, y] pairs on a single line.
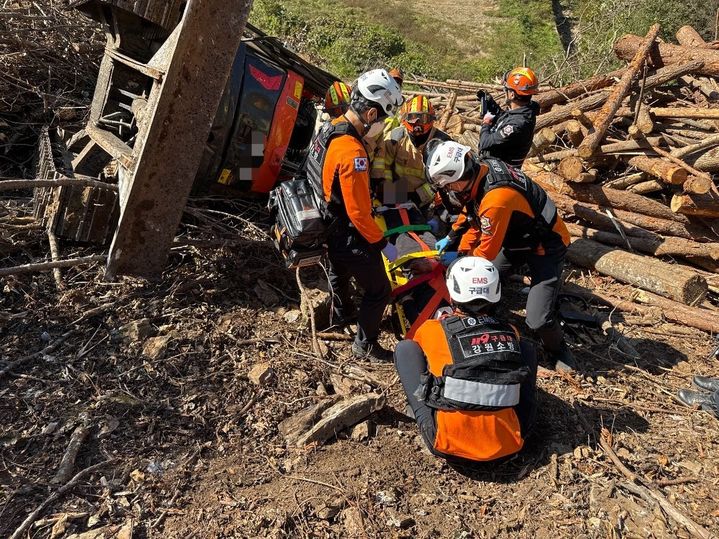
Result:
{"points": [[486, 225], [507, 130], [361, 164]]}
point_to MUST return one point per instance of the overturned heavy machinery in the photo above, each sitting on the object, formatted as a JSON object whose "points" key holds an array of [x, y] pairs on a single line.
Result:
{"points": [[175, 111]]}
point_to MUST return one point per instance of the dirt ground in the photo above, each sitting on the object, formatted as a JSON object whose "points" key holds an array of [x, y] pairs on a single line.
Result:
{"points": [[158, 375]]}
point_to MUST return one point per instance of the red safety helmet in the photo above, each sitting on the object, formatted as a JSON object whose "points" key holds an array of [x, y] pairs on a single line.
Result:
{"points": [[337, 99], [522, 80], [417, 115]]}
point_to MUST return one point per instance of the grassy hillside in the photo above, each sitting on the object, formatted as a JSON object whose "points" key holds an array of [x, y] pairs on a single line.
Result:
{"points": [[443, 39], [473, 40]]}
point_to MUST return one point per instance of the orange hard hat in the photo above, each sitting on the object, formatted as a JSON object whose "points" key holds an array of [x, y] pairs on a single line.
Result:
{"points": [[417, 115], [337, 98], [397, 74], [522, 80]]}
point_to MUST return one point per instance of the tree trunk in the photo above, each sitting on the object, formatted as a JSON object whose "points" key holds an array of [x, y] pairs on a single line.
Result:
{"points": [[671, 310], [684, 112], [664, 170], [669, 280], [614, 101], [575, 132], [603, 196], [571, 168], [542, 140], [688, 37], [706, 205], [562, 95], [643, 188], [698, 185], [564, 112], [665, 54], [708, 162], [649, 243]]}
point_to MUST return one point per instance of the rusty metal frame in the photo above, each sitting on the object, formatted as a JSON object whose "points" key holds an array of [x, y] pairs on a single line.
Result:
{"points": [[156, 181]]}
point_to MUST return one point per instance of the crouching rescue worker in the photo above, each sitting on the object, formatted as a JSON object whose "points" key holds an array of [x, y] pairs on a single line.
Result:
{"points": [[507, 134], [510, 220], [469, 381], [399, 160], [338, 161], [337, 99]]}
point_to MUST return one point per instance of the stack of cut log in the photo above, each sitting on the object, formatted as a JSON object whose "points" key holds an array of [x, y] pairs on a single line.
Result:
{"points": [[628, 158]]}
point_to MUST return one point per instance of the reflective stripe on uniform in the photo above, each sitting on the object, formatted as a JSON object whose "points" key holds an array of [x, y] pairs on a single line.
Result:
{"points": [[549, 211], [482, 394]]}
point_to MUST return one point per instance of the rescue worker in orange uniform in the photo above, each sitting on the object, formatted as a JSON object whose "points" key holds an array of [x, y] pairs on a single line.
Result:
{"points": [[507, 134], [399, 161], [338, 161], [337, 99], [470, 382], [510, 220]]}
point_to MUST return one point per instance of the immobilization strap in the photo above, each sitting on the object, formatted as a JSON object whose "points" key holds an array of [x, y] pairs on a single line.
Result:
{"points": [[440, 293], [407, 228]]}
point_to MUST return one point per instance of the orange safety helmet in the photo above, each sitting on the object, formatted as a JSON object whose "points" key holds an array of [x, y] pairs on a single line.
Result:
{"points": [[337, 99], [522, 80], [397, 74], [417, 115]]}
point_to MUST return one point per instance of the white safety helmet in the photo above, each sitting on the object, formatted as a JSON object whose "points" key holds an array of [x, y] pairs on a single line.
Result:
{"points": [[472, 278], [377, 86], [446, 162]]}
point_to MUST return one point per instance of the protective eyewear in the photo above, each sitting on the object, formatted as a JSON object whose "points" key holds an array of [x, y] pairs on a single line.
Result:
{"points": [[419, 117]]}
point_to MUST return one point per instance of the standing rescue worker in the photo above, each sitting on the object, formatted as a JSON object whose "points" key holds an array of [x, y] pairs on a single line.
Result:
{"points": [[470, 383], [510, 220], [507, 134], [338, 161], [399, 161]]}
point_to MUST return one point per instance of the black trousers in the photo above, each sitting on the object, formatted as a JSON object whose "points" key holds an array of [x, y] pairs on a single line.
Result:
{"points": [[411, 364], [351, 256], [546, 273]]}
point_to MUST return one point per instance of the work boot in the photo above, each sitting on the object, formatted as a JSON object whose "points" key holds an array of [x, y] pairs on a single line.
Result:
{"points": [[563, 359], [704, 382], [706, 401], [372, 351]]}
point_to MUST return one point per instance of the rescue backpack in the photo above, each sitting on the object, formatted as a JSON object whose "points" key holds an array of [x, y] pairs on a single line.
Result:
{"points": [[303, 219]]}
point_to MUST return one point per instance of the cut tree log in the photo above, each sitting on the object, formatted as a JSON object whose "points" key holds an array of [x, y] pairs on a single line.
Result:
{"points": [[671, 310], [644, 121], [565, 93], [571, 168], [448, 111], [633, 223], [687, 36], [706, 205], [604, 196], [701, 85], [708, 162], [647, 242], [564, 112], [575, 132], [626, 180], [665, 54], [542, 139], [708, 142], [684, 112], [643, 188], [672, 281], [659, 168], [319, 423], [698, 185], [601, 123]]}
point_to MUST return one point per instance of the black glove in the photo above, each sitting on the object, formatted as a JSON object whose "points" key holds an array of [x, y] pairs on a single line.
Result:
{"points": [[481, 94]]}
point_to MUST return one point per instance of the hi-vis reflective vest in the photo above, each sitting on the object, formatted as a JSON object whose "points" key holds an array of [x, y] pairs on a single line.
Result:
{"points": [[475, 373], [400, 163]]}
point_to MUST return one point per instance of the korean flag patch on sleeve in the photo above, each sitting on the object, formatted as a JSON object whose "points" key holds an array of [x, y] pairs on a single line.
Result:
{"points": [[361, 164]]}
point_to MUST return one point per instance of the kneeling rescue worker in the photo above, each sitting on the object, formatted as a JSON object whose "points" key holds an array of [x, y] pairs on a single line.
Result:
{"points": [[399, 160], [510, 220], [338, 161], [470, 383], [507, 134]]}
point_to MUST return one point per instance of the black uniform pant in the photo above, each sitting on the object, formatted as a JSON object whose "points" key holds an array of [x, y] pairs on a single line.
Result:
{"points": [[351, 256], [411, 364], [546, 273]]}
